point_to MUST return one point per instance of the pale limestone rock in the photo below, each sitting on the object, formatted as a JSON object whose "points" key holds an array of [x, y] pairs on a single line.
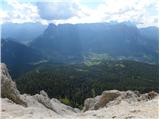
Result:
{"points": [[114, 97], [44, 100], [8, 87]]}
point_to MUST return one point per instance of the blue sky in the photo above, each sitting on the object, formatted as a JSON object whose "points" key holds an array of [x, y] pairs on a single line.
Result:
{"points": [[141, 12]]}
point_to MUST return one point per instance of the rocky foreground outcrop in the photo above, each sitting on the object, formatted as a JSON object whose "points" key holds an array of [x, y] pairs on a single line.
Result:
{"points": [[110, 104], [114, 97], [8, 87]]}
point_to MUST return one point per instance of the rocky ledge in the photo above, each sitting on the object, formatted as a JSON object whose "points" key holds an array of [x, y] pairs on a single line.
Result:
{"points": [[110, 104]]}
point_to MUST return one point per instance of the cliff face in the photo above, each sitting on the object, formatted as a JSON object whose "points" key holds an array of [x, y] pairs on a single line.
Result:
{"points": [[110, 104], [8, 87]]}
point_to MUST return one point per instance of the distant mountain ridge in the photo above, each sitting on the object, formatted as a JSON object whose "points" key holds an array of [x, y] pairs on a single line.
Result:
{"points": [[23, 33], [79, 43], [118, 39]]}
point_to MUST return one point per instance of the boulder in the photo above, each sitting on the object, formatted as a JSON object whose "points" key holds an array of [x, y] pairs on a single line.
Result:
{"points": [[148, 96], [100, 101], [8, 87], [89, 104], [129, 96], [44, 100], [114, 97], [105, 98], [54, 104], [152, 95]]}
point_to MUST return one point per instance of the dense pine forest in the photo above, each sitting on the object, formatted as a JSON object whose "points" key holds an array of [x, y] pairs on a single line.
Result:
{"points": [[72, 83]]}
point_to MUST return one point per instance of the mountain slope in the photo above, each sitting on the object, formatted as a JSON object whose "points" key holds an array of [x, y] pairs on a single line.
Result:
{"points": [[118, 40], [79, 43], [18, 57]]}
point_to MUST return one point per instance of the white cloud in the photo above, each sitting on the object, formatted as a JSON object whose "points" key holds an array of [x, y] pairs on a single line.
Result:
{"points": [[64, 11], [3, 17], [20, 12], [136, 11], [57, 10], [129, 10]]}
